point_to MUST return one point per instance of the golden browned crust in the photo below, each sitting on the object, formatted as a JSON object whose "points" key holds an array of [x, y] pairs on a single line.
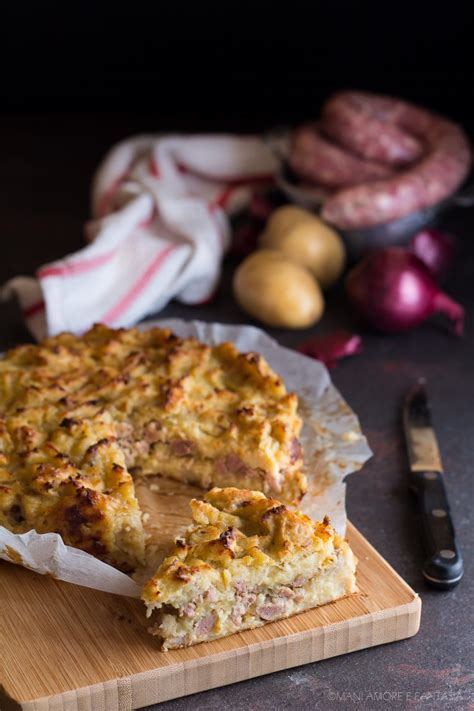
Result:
{"points": [[78, 413], [245, 560], [70, 477]]}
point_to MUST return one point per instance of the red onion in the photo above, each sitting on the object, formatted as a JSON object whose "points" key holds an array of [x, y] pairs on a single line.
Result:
{"points": [[394, 291], [435, 249], [329, 349]]}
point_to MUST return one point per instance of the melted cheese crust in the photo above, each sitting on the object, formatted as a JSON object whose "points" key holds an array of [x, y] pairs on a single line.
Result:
{"points": [[77, 414], [246, 560]]}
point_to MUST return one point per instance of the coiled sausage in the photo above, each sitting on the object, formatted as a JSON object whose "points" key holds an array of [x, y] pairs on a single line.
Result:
{"points": [[318, 160], [370, 126], [435, 176]]}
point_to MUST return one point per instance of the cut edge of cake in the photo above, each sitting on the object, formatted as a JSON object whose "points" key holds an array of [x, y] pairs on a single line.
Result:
{"points": [[246, 560]]}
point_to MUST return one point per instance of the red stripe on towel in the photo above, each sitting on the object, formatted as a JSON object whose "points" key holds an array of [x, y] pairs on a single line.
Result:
{"points": [[77, 267], [224, 197], [34, 309], [142, 282]]}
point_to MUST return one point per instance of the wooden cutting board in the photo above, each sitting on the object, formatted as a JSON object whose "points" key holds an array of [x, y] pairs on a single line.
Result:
{"points": [[67, 648]]}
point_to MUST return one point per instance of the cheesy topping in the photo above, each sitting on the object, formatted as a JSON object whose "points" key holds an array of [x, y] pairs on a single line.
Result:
{"points": [[79, 415]]}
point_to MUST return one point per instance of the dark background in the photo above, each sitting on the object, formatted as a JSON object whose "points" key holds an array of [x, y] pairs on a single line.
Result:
{"points": [[78, 77], [232, 64]]}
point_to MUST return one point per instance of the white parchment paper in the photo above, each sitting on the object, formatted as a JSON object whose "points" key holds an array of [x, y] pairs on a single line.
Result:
{"points": [[333, 447]]}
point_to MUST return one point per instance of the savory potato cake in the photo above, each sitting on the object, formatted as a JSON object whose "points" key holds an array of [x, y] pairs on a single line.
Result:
{"points": [[246, 560], [80, 416]]}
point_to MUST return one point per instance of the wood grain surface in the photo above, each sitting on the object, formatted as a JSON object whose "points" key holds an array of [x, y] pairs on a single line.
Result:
{"points": [[65, 647]]}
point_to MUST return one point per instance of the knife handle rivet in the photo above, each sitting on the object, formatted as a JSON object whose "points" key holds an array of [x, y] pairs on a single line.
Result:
{"points": [[446, 553], [430, 475], [439, 513]]}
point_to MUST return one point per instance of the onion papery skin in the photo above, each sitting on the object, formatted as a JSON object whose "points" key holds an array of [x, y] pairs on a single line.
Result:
{"points": [[394, 291]]}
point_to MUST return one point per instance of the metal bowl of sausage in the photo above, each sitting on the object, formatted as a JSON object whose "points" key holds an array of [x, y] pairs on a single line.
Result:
{"points": [[360, 229], [399, 231]]}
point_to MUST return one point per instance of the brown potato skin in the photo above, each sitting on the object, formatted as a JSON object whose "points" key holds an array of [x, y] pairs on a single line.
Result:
{"points": [[307, 240], [278, 291]]}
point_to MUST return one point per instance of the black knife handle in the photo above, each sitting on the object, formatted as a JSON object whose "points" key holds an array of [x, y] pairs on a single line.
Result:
{"points": [[443, 568]]}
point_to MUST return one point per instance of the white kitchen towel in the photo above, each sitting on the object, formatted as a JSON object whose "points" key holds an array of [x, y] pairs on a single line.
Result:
{"points": [[160, 227]]}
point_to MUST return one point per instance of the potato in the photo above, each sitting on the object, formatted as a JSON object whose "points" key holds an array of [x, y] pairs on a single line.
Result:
{"points": [[277, 291], [306, 239]]}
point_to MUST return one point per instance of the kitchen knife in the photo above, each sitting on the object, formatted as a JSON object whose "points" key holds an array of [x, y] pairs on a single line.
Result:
{"points": [[443, 568]]}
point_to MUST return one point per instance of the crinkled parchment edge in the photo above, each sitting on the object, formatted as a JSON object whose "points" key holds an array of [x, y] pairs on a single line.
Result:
{"points": [[332, 441]]}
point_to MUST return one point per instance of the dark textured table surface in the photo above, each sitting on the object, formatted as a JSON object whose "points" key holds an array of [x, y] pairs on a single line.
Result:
{"points": [[45, 170]]}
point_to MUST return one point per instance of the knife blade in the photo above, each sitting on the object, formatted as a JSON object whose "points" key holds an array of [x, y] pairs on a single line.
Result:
{"points": [[443, 568]]}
